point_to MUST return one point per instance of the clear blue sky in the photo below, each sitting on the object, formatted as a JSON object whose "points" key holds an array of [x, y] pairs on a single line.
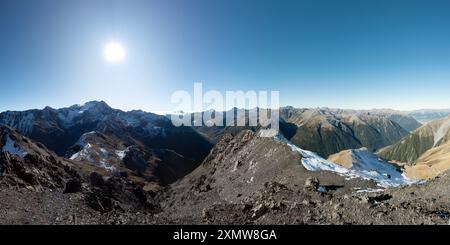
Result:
{"points": [[336, 53]]}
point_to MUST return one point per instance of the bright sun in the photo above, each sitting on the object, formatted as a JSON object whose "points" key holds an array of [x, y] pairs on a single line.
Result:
{"points": [[114, 52]]}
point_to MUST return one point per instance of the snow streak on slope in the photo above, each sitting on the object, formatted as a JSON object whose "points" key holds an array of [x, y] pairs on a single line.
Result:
{"points": [[121, 154], [367, 168]]}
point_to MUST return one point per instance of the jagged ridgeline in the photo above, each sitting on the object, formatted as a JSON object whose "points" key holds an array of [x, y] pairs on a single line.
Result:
{"points": [[328, 131], [148, 144], [145, 144], [137, 168]]}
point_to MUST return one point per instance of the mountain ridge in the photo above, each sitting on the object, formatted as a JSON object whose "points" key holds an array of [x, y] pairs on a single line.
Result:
{"points": [[424, 151], [329, 131]]}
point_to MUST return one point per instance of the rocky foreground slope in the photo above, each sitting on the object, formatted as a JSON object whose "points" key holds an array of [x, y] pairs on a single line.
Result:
{"points": [[246, 179], [39, 187], [252, 180]]}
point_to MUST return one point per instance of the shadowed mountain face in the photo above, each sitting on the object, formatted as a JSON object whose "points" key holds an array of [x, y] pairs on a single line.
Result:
{"points": [[230, 121], [59, 129], [24, 163], [139, 163], [328, 131], [113, 131]]}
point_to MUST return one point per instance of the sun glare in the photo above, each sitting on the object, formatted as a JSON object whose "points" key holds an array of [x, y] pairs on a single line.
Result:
{"points": [[114, 52]]}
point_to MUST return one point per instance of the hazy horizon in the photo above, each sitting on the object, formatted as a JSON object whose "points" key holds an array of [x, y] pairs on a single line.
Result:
{"points": [[171, 111], [134, 54]]}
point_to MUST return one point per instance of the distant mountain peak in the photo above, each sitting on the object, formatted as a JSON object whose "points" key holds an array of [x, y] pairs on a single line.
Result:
{"points": [[91, 105], [97, 103]]}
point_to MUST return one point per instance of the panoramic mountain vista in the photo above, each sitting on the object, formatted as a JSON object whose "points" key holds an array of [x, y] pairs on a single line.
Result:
{"points": [[252, 114], [112, 168]]}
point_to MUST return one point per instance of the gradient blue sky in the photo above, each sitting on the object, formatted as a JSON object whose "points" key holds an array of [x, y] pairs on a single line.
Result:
{"points": [[336, 53]]}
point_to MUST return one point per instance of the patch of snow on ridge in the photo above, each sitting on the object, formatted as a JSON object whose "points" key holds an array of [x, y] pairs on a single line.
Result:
{"points": [[367, 190], [121, 154], [382, 175], [83, 153], [82, 143], [10, 146], [268, 133], [82, 140], [106, 166]]}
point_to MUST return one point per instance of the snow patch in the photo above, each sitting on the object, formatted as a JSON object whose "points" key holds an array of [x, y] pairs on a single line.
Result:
{"points": [[121, 154], [11, 147], [369, 168], [367, 190], [267, 133], [82, 140], [107, 166], [84, 153]]}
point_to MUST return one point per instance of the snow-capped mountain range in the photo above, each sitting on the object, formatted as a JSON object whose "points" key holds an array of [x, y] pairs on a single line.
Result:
{"points": [[148, 146], [98, 134]]}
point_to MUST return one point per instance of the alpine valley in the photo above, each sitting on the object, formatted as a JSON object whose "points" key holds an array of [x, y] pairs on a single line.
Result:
{"points": [[93, 164]]}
